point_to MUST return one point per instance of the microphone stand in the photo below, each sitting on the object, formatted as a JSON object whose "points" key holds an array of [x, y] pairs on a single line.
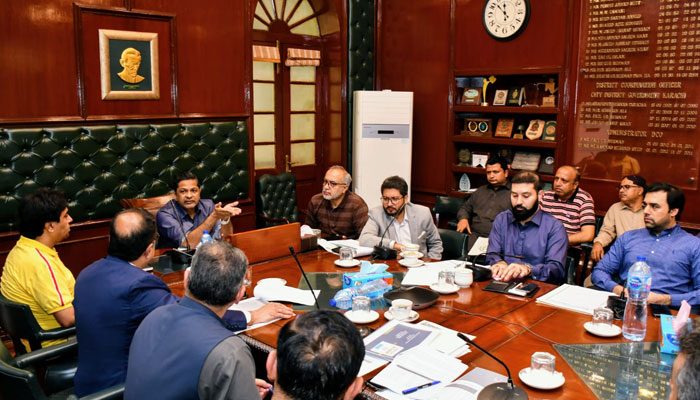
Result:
{"points": [[500, 390], [291, 250], [380, 252]]}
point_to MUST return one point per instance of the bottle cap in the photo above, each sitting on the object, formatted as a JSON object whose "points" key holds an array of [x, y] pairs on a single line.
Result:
{"points": [[207, 232], [332, 302], [639, 258]]}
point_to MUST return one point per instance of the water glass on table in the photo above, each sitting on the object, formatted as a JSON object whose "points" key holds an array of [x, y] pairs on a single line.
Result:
{"points": [[360, 305], [446, 279]]}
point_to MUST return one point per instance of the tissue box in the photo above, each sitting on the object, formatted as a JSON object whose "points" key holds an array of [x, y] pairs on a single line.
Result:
{"points": [[352, 279], [669, 339]]}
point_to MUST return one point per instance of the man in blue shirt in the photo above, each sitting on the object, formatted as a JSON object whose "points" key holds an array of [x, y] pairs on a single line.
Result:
{"points": [[113, 295], [181, 223], [537, 239], [672, 253]]}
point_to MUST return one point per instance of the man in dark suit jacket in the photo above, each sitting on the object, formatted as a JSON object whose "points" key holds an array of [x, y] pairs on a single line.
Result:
{"points": [[113, 295]]}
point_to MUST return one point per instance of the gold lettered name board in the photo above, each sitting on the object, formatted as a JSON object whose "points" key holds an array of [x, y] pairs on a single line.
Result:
{"points": [[639, 90]]}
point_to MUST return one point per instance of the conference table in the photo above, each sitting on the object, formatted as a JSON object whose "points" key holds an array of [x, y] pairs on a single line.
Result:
{"points": [[614, 367]]}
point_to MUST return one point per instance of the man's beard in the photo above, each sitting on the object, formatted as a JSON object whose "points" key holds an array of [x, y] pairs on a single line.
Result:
{"points": [[395, 213], [521, 213]]}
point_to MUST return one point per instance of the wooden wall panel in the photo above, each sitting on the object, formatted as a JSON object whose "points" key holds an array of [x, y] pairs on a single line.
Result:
{"points": [[213, 54], [413, 54], [542, 44], [37, 60]]}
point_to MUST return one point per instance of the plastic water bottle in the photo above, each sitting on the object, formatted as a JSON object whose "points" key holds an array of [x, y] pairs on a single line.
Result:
{"points": [[371, 289], [206, 237], [634, 323]]}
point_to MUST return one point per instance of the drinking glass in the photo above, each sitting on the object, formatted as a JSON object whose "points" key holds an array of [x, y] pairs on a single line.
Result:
{"points": [[346, 254], [542, 363], [446, 279], [360, 305], [602, 318]]}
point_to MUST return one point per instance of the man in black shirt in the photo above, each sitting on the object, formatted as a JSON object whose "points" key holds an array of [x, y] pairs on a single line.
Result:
{"points": [[480, 209]]}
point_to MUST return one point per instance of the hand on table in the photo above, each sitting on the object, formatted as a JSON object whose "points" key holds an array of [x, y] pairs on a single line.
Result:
{"points": [[270, 311], [507, 272], [263, 387]]}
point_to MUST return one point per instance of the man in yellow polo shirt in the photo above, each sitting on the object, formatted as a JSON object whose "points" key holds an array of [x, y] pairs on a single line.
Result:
{"points": [[33, 273]]}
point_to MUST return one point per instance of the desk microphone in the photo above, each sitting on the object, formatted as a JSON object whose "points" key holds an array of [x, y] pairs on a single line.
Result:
{"points": [[291, 250], [498, 390], [380, 252]]}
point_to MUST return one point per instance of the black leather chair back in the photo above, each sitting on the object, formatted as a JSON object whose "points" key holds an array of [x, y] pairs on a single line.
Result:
{"points": [[19, 322], [454, 244], [16, 383], [277, 200], [98, 165], [445, 209], [570, 269]]}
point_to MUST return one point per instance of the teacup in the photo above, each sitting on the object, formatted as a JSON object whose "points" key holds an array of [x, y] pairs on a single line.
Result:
{"points": [[464, 277], [401, 309]]}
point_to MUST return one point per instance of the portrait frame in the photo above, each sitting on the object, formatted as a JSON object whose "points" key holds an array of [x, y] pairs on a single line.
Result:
{"points": [[145, 41]]}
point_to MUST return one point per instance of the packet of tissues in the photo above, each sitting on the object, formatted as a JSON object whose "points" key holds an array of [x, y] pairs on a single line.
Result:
{"points": [[368, 272]]}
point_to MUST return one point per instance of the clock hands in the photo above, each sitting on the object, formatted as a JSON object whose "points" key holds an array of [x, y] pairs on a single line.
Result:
{"points": [[503, 10]]}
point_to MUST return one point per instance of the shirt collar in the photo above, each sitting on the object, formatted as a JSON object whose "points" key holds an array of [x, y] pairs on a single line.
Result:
{"points": [[571, 198], [536, 219], [181, 211], [667, 232], [500, 187], [25, 241]]}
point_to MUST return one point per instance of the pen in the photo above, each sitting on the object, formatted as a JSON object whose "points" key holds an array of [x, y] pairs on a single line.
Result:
{"points": [[413, 389]]}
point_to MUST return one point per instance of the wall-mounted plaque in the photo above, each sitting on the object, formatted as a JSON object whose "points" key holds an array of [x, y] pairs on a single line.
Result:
{"points": [[471, 96], [535, 129], [504, 127], [515, 96], [550, 130], [499, 99], [526, 161]]}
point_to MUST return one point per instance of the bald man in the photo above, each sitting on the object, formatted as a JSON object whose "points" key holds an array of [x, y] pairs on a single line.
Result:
{"points": [[571, 205], [113, 295]]}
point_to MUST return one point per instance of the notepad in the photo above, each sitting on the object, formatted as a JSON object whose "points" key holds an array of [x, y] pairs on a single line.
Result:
{"points": [[575, 298]]}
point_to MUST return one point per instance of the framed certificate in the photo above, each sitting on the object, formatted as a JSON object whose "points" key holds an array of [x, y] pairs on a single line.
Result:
{"points": [[515, 96], [526, 161], [504, 127], [499, 99], [479, 160]]}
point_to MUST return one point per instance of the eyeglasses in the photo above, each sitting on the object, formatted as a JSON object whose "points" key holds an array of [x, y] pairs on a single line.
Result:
{"points": [[626, 187], [392, 200], [333, 184]]}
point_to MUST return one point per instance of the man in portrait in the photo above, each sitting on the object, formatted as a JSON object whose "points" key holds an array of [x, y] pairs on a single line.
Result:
{"points": [[130, 61]]}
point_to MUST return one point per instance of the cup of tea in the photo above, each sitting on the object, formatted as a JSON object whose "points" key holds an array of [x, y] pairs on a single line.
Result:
{"points": [[401, 309], [464, 277]]}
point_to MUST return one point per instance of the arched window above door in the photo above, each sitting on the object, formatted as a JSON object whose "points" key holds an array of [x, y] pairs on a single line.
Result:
{"points": [[297, 15]]}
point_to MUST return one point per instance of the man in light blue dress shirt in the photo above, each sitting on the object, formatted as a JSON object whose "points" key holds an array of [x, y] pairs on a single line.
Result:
{"points": [[672, 253]]}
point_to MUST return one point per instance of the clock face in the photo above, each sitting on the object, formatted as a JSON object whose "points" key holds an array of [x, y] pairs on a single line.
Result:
{"points": [[505, 19]]}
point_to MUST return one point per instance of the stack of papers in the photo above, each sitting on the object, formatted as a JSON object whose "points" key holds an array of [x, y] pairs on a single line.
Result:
{"points": [[285, 293], [332, 246], [446, 341], [467, 387], [250, 305], [428, 274], [576, 298]]}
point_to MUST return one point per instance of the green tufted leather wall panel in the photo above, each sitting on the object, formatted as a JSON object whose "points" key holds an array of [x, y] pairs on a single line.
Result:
{"points": [[96, 166], [360, 55]]}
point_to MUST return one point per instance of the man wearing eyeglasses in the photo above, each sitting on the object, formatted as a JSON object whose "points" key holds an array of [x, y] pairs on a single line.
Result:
{"points": [[398, 222], [337, 212], [625, 215]]}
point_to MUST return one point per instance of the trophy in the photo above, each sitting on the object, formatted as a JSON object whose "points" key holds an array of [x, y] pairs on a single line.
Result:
{"points": [[491, 79]]}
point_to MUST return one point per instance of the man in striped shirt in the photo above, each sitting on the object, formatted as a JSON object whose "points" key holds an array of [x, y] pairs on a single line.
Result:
{"points": [[571, 205], [33, 273]]}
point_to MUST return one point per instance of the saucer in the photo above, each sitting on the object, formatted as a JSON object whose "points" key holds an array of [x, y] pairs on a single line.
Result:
{"points": [[347, 263], [411, 254], [411, 264], [444, 290], [362, 318], [613, 331], [272, 282], [552, 382], [411, 317]]}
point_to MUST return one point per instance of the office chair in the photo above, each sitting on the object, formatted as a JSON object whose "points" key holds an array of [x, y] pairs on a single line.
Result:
{"points": [[277, 200], [19, 322], [454, 244], [445, 209]]}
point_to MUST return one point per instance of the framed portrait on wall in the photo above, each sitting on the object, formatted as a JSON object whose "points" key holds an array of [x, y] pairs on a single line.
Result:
{"points": [[128, 65]]}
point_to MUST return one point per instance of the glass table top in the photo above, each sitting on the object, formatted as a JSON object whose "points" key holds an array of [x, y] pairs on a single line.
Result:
{"points": [[629, 370], [330, 283]]}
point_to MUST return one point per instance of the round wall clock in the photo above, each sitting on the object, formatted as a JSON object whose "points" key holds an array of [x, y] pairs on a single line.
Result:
{"points": [[506, 19]]}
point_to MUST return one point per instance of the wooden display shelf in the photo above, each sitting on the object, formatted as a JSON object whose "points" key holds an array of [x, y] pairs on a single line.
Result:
{"points": [[482, 171], [540, 144], [460, 108]]}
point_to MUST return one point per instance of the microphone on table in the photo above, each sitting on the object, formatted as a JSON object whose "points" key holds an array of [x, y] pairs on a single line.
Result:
{"points": [[483, 274], [383, 253], [498, 390], [291, 250]]}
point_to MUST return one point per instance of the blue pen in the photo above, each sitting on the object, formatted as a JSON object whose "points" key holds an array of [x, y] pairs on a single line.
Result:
{"points": [[413, 389]]}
